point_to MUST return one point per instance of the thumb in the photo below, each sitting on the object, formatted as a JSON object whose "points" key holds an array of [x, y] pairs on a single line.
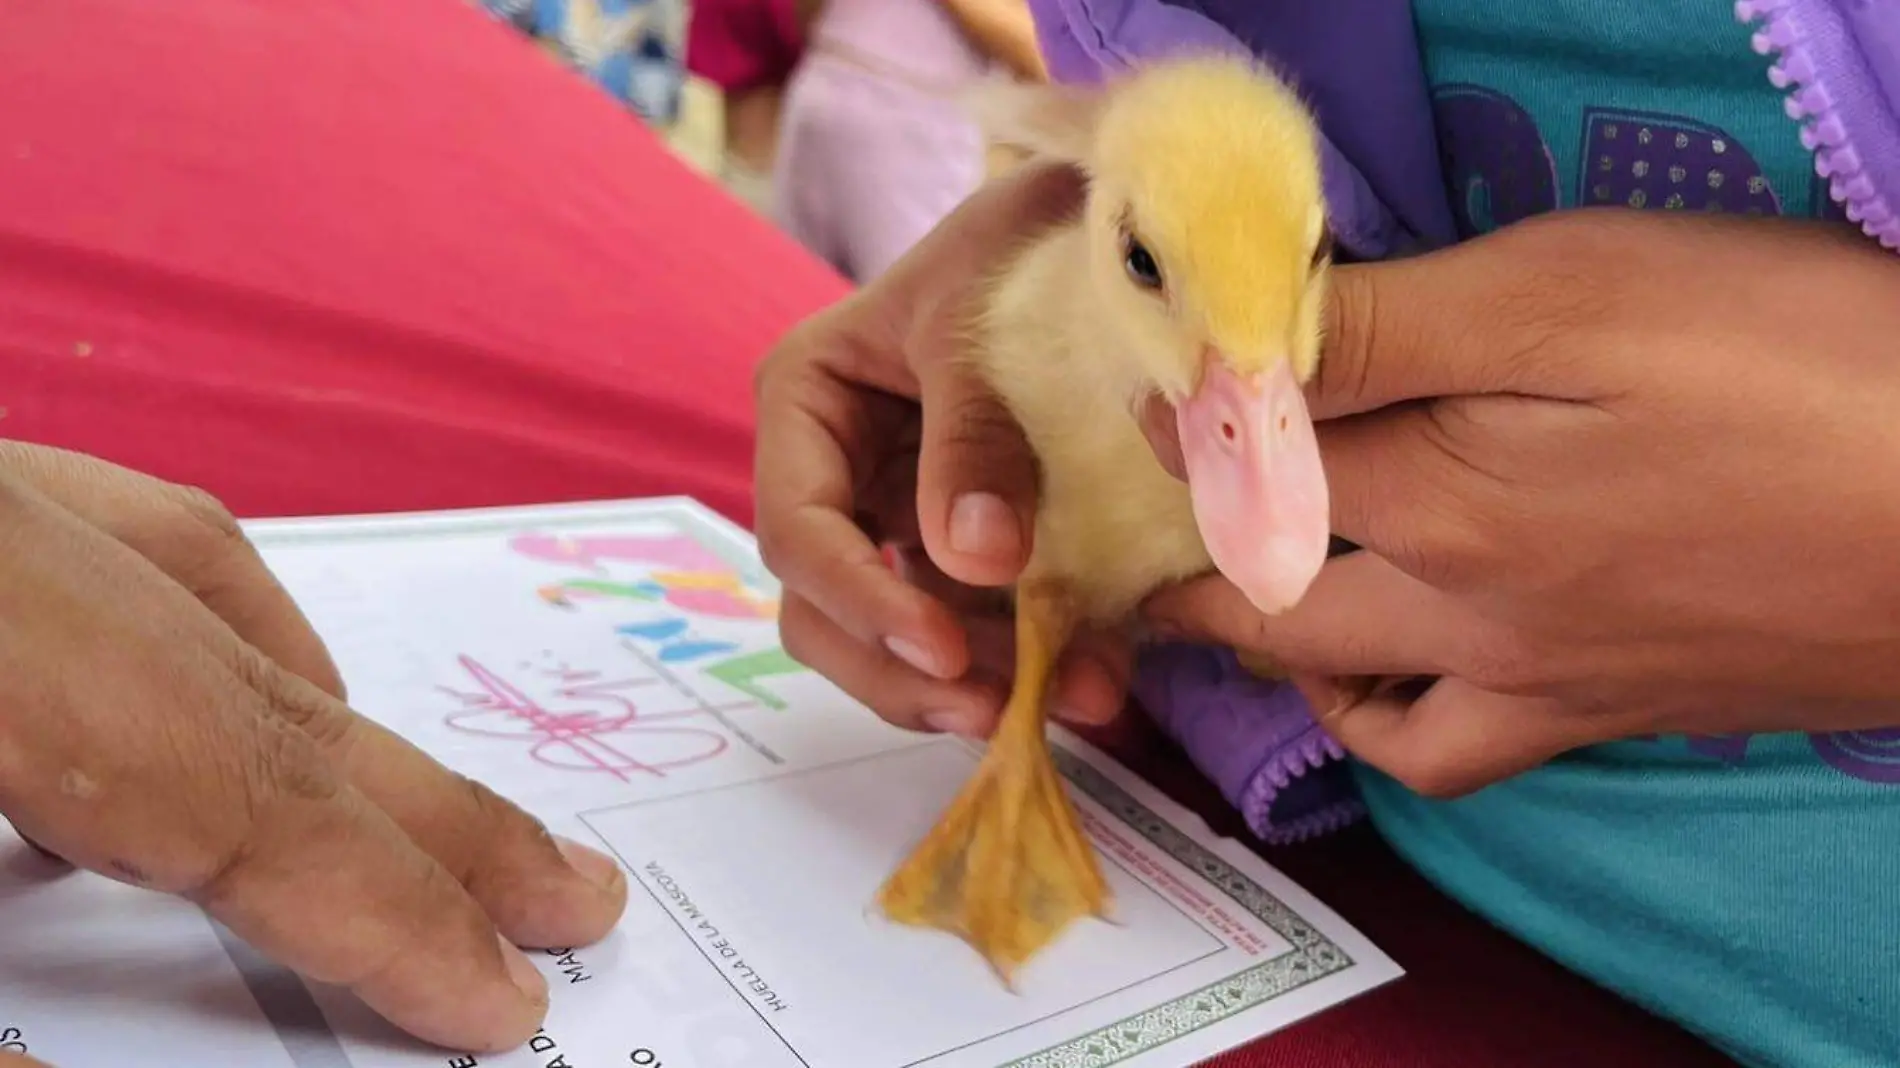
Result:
{"points": [[1461, 321], [1455, 738], [976, 479], [977, 476]]}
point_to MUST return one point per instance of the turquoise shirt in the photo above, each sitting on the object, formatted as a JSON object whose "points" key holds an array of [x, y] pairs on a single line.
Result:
{"points": [[1749, 884], [1543, 104]]}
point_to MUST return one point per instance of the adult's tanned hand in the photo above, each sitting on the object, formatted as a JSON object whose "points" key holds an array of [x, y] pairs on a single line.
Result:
{"points": [[173, 722]]}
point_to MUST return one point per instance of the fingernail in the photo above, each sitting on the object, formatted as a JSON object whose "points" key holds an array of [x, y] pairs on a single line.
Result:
{"points": [[522, 972], [1341, 700], [913, 654], [983, 524], [957, 723], [594, 866], [1349, 693], [893, 558]]}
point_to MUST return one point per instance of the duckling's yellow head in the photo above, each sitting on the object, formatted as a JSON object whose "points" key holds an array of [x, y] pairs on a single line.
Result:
{"points": [[1206, 222]]}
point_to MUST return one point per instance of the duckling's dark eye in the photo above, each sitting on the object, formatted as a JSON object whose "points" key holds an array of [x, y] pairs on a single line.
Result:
{"points": [[1140, 263]]}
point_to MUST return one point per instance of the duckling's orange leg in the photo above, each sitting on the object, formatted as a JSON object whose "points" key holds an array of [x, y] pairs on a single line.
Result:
{"points": [[1007, 868], [1044, 622]]}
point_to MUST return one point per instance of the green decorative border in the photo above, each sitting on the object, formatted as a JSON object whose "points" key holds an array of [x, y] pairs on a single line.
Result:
{"points": [[1312, 958]]}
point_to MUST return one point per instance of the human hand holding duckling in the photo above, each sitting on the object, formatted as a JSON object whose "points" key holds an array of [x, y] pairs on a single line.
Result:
{"points": [[874, 429], [1617, 475], [1581, 521], [1066, 331], [1042, 313]]}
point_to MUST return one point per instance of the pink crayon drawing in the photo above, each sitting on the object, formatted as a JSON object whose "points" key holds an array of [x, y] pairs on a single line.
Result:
{"points": [[675, 551], [592, 726]]}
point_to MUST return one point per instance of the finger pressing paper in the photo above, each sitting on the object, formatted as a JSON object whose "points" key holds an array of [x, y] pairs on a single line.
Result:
{"points": [[190, 537], [539, 891]]}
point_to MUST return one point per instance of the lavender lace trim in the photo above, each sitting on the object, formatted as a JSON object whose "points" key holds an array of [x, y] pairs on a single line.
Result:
{"points": [[1255, 739], [1839, 62]]}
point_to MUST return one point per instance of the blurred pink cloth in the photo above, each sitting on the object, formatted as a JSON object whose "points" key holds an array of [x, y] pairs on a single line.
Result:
{"points": [[875, 148], [743, 44]]}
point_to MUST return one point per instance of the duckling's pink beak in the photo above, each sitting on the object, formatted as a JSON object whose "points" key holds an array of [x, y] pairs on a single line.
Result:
{"points": [[1254, 473]]}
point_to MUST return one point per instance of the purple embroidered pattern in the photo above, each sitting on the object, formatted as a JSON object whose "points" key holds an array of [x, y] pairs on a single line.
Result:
{"points": [[1499, 169], [1871, 756], [1644, 159], [1497, 166]]}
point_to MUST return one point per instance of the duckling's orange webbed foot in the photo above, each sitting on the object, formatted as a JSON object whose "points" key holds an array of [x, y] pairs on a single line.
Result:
{"points": [[1007, 867]]}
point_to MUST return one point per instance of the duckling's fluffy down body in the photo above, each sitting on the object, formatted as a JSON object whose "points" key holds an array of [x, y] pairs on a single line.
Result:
{"points": [[1111, 524]]}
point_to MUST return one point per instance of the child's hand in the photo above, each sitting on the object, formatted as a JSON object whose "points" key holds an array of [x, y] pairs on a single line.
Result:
{"points": [[871, 429], [1617, 475]]}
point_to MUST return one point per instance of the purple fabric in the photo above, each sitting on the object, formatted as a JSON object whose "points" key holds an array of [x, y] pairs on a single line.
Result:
{"points": [[1481, 133], [1839, 61], [1084, 40], [1255, 739], [1638, 175], [1357, 63]]}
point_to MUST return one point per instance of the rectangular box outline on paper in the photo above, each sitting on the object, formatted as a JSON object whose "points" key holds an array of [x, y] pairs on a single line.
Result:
{"points": [[1311, 956], [1218, 944]]}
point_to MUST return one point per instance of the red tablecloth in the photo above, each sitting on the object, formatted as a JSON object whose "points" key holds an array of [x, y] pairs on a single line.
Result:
{"points": [[361, 255]]}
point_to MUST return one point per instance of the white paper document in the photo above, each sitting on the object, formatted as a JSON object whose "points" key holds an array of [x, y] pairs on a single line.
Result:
{"points": [[615, 669]]}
